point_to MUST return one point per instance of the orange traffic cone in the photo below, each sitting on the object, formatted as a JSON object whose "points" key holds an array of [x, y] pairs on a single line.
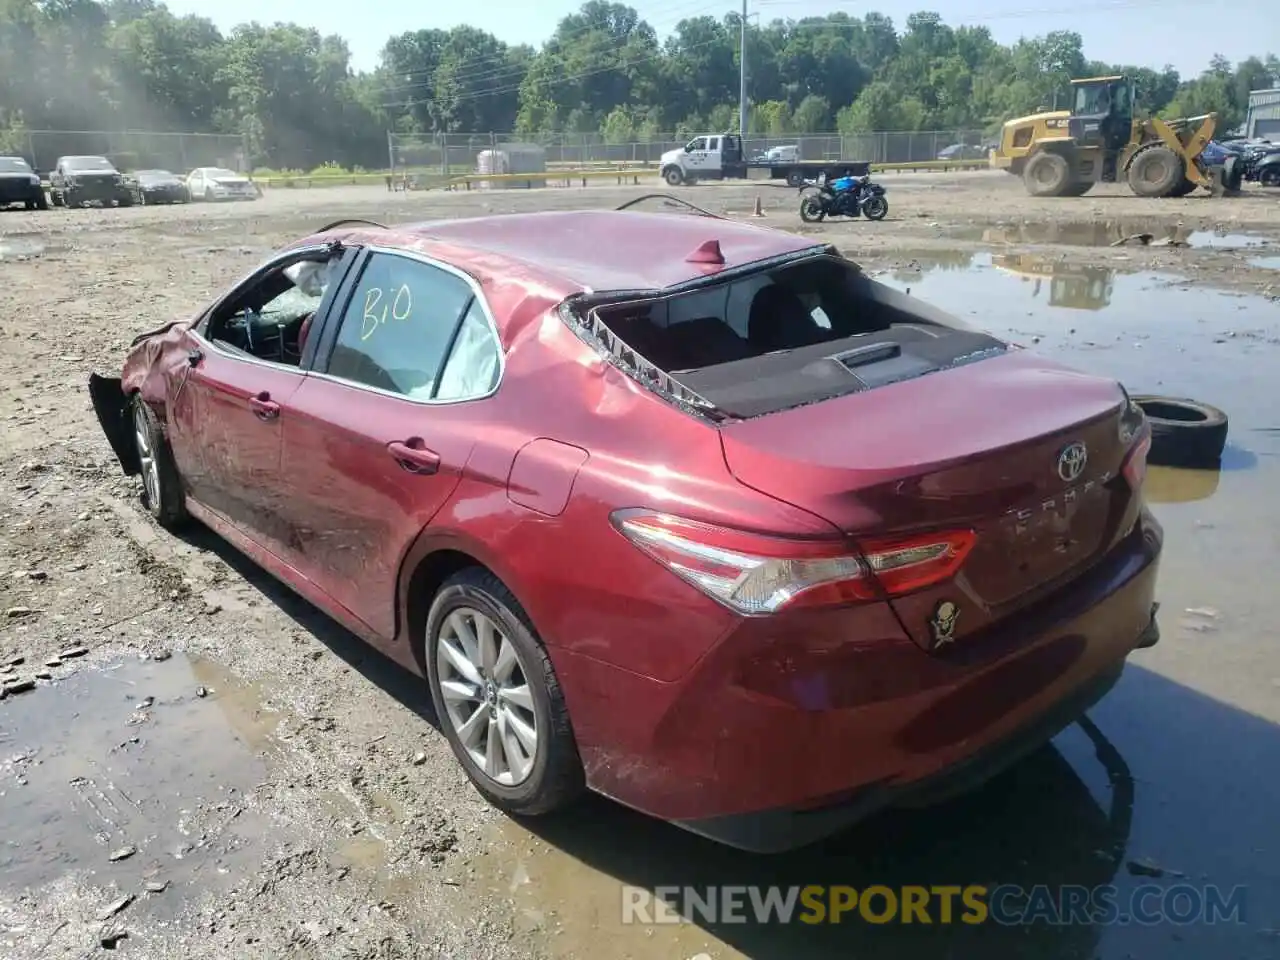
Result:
{"points": [[759, 211]]}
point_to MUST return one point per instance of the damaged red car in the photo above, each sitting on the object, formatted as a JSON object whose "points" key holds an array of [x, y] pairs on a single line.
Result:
{"points": [[686, 511]]}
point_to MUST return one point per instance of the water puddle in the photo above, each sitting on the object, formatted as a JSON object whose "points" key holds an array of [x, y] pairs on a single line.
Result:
{"points": [[156, 760], [1106, 233], [18, 246], [608, 882]]}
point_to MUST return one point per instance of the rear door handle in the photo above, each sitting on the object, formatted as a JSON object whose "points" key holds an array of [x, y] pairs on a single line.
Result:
{"points": [[264, 407], [414, 457]]}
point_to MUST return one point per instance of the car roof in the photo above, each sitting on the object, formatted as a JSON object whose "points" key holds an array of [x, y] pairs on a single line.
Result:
{"points": [[602, 250]]}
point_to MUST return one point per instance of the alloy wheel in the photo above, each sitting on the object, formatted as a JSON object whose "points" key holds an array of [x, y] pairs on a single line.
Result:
{"points": [[483, 682], [146, 457]]}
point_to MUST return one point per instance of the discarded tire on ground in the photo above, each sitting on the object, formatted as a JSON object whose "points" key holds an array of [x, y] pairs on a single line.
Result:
{"points": [[1184, 433]]}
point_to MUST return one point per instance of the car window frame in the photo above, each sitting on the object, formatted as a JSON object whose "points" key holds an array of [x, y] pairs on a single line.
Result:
{"points": [[347, 256], [327, 335]]}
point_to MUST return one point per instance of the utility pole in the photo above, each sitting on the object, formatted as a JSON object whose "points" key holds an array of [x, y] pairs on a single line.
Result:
{"points": [[742, 78]]}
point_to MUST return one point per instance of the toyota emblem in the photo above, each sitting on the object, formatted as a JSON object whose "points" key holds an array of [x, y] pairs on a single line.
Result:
{"points": [[1072, 460]]}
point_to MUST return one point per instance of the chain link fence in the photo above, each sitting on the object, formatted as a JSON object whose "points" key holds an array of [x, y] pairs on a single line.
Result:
{"points": [[136, 149], [455, 153]]}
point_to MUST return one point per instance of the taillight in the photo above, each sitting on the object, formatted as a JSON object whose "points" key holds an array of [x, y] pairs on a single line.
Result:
{"points": [[755, 574], [904, 565], [1135, 433], [1135, 464]]}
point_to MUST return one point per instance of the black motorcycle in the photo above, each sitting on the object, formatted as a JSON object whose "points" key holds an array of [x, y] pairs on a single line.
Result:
{"points": [[844, 197]]}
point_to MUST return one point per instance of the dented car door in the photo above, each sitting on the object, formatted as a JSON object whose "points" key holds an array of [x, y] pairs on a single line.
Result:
{"points": [[378, 436]]}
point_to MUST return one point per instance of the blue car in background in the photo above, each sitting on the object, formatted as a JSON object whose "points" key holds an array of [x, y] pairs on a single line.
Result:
{"points": [[1215, 153]]}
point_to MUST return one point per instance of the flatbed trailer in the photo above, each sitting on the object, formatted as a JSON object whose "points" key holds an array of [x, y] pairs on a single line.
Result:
{"points": [[719, 157]]}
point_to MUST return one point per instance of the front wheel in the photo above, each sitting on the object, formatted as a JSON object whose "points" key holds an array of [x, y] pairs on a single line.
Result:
{"points": [[161, 486], [673, 176], [875, 208], [812, 210], [497, 697], [42, 201]]}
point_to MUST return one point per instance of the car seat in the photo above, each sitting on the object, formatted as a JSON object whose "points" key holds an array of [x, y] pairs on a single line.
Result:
{"points": [[779, 320]]}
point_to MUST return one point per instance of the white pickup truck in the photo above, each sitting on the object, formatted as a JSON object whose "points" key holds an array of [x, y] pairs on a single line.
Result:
{"points": [[718, 156]]}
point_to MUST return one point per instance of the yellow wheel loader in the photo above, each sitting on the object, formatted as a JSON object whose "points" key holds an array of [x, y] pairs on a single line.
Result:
{"points": [[1063, 153], [1074, 286]]}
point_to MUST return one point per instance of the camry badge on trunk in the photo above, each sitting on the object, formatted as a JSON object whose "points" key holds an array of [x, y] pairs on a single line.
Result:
{"points": [[943, 623], [1072, 460]]}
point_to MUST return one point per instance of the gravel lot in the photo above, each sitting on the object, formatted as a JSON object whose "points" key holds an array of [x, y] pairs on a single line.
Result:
{"points": [[210, 767]]}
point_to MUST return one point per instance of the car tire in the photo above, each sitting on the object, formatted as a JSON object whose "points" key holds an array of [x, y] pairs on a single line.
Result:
{"points": [[673, 176], [56, 198], [1232, 174], [42, 201], [162, 494], [1184, 433], [208, 194], [553, 777]]}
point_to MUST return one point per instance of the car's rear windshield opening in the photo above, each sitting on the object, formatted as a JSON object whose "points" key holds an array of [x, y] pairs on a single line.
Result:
{"points": [[793, 335]]}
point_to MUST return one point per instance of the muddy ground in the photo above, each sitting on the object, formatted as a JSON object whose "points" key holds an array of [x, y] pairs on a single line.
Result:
{"points": [[208, 767]]}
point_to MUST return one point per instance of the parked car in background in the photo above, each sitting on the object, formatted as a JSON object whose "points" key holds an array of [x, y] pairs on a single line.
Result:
{"points": [[1260, 163], [962, 151], [79, 181], [218, 183], [20, 184], [158, 186], [687, 511], [1215, 153]]}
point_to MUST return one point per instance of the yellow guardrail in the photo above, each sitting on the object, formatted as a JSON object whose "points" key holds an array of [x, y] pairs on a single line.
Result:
{"points": [[324, 180], [548, 177], [928, 165]]}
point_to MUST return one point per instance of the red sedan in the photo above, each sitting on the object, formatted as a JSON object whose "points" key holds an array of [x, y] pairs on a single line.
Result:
{"points": [[682, 510]]}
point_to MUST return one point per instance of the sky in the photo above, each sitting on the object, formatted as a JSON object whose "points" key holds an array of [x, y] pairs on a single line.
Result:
{"points": [[1150, 33]]}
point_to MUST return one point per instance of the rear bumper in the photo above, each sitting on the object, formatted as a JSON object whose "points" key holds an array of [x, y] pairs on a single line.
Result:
{"points": [[776, 739], [776, 831]]}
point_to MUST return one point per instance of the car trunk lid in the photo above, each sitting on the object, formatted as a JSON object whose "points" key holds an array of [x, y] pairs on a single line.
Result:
{"points": [[982, 447]]}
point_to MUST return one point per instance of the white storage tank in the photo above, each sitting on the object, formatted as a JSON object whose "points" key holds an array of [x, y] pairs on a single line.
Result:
{"points": [[492, 162], [513, 158]]}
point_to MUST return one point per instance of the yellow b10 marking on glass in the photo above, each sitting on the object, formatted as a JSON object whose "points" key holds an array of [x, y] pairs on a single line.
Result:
{"points": [[400, 307]]}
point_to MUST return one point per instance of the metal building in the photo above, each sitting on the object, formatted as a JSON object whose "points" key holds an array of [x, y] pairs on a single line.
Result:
{"points": [[1264, 114]]}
